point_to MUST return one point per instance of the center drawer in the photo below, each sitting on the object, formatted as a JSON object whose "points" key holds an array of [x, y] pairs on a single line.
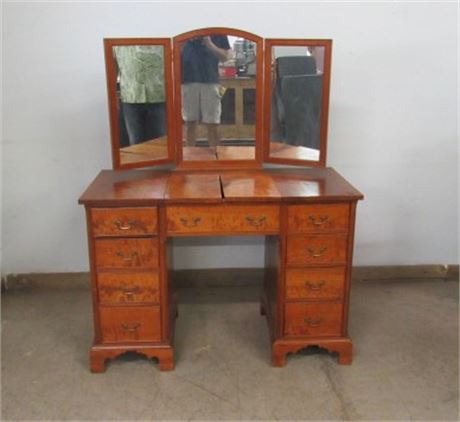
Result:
{"points": [[228, 219]]}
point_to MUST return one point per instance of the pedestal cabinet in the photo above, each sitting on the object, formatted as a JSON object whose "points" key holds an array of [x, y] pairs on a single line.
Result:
{"points": [[127, 294], [312, 289]]}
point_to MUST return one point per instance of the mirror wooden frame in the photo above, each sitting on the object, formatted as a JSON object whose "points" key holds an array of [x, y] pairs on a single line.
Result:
{"points": [[269, 44], [111, 74], [218, 164]]}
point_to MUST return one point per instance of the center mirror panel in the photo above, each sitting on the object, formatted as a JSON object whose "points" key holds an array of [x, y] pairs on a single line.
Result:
{"points": [[218, 98]]}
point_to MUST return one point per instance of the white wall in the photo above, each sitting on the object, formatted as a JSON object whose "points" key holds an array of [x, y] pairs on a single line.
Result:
{"points": [[392, 131]]}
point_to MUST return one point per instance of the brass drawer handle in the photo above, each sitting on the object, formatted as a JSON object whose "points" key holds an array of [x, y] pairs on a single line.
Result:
{"points": [[256, 221], [131, 328], [312, 322], [318, 221], [125, 225], [129, 296], [315, 286], [190, 223], [130, 292], [317, 253], [127, 258]]}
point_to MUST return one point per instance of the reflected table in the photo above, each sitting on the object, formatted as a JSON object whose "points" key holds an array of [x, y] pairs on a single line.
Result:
{"points": [[154, 149]]}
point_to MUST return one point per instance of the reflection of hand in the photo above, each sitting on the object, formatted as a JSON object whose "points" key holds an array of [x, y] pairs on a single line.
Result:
{"points": [[207, 42], [220, 53]]}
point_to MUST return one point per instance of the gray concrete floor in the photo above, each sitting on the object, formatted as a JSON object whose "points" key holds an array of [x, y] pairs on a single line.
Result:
{"points": [[405, 365]]}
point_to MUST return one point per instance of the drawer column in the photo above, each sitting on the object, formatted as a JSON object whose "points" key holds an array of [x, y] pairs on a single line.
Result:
{"points": [[129, 286], [313, 282]]}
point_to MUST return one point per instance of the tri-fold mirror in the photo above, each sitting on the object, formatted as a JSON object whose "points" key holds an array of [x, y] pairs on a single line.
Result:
{"points": [[218, 98]]}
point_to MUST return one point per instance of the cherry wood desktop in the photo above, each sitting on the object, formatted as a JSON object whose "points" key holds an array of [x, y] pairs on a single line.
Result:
{"points": [[306, 215]]}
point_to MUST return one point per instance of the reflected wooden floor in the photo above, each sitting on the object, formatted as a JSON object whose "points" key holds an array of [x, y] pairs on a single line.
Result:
{"points": [[236, 153], [155, 149], [293, 152], [219, 153], [199, 154]]}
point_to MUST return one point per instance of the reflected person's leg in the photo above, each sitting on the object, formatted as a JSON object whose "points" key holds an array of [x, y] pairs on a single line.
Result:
{"points": [[190, 133], [213, 134], [132, 114], [190, 111], [123, 133], [211, 110], [155, 121]]}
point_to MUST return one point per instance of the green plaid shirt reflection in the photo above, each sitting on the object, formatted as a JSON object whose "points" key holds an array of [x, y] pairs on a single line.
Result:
{"points": [[141, 73]]}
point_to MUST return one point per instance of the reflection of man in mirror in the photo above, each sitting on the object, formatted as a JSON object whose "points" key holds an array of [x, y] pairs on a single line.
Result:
{"points": [[142, 90], [201, 95]]}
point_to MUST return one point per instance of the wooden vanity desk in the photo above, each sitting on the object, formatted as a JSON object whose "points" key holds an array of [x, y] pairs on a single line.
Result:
{"points": [[216, 185], [306, 215]]}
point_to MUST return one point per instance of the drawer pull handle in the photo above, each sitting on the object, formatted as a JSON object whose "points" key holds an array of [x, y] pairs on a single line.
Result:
{"points": [[127, 258], [315, 286], [318, 221], [125, 226], [130, 292], [129, 296], [192, 223], [256, 221], [131, 328], [312, 322], [317, 253]]}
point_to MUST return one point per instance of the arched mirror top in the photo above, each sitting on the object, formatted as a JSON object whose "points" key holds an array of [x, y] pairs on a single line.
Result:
{"points": [[201, 32]]}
